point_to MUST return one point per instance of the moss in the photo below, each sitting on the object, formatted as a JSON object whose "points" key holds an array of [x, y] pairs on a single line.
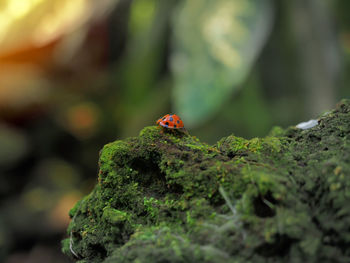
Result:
{"points": [[164, 196], [114, 216]]}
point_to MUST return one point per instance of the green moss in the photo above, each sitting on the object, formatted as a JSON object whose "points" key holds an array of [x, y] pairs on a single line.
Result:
{"points": [[151, 206], [115, 216], [164, 196], [276, 131]]}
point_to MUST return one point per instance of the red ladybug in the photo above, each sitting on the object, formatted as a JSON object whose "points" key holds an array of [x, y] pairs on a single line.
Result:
{"points": [[171, 121]]}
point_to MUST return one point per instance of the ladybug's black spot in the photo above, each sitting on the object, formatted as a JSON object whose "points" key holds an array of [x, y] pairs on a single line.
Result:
{"points": [[167, 123], [178, 121], [171, 119], [174, 125]]}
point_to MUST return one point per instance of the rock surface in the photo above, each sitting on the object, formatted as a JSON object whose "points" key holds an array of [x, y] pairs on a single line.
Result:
{"points": [[167, 197]]}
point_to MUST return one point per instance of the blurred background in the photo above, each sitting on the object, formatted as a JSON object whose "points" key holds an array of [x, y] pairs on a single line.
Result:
{"points": [[75, 75]]}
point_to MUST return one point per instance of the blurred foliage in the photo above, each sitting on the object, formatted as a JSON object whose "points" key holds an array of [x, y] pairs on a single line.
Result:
{"points": [[37, 22], [216, 43], [75, 75]]}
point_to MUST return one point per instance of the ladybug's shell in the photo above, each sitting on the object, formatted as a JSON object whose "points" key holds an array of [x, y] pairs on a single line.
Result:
{"points": [[171, 121]]}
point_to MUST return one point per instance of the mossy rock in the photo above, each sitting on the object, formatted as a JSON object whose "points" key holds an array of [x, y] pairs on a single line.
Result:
{"points": [[167, 197]]}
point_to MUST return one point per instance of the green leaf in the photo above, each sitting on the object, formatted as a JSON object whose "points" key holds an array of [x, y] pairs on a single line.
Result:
{"points": [[215, 46]]}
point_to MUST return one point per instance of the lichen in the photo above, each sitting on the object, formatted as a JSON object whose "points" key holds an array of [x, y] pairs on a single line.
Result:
{"points": [[168, 197]]}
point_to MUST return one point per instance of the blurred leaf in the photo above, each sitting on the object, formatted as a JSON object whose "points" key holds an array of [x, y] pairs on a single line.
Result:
{"points": [[140, 67], [35, 23], [216, 43], [140, 73], [141, 17]]}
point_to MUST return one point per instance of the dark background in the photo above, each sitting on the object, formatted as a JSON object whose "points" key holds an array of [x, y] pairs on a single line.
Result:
{"points": [[76, 76]]}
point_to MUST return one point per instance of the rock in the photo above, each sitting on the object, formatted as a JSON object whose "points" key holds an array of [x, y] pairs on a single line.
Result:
{"points": [[167, 197]]}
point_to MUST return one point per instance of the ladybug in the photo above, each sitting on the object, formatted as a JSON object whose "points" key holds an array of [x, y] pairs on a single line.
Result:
{"points": [[171, 121]]}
